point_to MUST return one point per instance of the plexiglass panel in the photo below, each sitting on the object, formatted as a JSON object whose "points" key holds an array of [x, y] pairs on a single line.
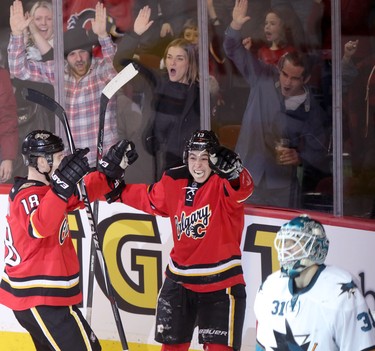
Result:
{"points": [[270, 85]]}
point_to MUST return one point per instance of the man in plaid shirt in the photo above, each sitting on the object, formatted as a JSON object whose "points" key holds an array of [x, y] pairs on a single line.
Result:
{"points": [[85, 76]]}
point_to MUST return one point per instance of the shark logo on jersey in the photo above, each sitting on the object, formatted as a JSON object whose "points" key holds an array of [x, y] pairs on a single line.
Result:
{"points": [[194, 225], [349, 288], [287, 341]]}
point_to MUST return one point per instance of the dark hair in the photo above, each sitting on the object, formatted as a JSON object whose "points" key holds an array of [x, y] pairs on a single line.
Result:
{"points": [[297, 58], [287, 37], [190, 23]]}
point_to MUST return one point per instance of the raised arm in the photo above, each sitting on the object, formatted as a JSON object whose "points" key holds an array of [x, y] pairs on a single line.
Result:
{"points": [[99, 24], [99, 27], [127, 45], [349, 68], [142, 23], [17, 20], [239, 14], [349, 50], [237, 50]]}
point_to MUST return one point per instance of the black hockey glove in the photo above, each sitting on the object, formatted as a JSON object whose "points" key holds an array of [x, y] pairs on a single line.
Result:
{"points": [[117, 159], [225, 162], [71, 170]]}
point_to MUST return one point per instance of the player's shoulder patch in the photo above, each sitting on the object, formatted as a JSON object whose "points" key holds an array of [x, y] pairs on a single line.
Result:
{"points": [[336, 284], [181, 172], [22, 184]]}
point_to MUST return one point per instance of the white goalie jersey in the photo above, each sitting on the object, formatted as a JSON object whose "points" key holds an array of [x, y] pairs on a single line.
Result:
{"points": [[328, 315]]}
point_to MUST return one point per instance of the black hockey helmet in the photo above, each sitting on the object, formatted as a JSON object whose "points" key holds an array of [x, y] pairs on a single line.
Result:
{"points": [[200, 140], [40, 143]]}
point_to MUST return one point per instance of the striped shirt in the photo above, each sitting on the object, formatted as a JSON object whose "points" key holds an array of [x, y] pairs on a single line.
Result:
{"points": [[82, 97]]}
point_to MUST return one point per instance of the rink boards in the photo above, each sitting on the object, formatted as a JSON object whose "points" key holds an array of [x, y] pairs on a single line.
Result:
{"points": [[136, 247]]}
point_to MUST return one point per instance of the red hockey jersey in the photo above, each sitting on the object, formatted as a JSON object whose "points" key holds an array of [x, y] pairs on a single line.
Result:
{"points": [[41, 264], [207, 221]]}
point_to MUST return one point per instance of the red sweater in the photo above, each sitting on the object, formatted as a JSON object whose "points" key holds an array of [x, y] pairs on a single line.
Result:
{"points": [[272, 57]]}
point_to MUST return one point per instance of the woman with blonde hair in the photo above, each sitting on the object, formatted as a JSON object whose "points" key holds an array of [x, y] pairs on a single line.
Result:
{"points": [[39, 36]]}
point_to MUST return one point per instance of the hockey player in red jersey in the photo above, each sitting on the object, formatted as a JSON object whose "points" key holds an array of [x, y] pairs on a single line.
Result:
{"points": [[40, 282], [204, 282]]}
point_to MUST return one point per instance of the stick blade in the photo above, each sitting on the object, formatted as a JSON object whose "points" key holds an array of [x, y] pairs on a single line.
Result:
{"points": [[50, 104], [124, 76], [42, 99]]}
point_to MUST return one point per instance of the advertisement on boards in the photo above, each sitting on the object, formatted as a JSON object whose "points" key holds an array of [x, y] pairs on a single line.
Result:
{"points": [[136, 248]]}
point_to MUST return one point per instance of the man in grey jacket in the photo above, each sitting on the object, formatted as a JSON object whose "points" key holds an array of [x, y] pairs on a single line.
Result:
{"points": [[280, 107]]}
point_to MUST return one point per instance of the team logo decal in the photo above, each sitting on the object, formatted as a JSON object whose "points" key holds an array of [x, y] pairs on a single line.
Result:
{"points": [[43, 136], [194, 225], [287, 342], [348, 288], [64, 231]]}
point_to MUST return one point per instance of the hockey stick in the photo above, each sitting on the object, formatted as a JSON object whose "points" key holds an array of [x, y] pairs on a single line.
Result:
{"points": [[124, 76], [47, 102]]}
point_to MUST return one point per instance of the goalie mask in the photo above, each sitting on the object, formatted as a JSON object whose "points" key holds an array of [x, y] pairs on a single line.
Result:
{"points": [[200, 140], [301, 243], [40, 143]]}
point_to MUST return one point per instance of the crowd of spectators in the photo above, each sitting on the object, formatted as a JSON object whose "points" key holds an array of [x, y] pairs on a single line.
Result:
{"points": [[270, 32]]}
